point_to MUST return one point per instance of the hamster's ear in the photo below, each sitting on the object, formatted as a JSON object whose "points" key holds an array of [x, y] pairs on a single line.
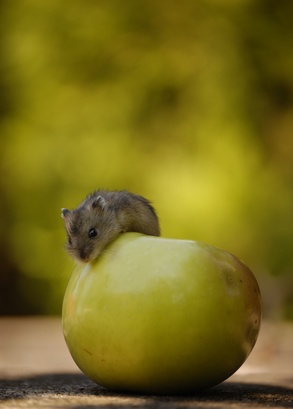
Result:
{"points": [[64, 213], [99, 202]]}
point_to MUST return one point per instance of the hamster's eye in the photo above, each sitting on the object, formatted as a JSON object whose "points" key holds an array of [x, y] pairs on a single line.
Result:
{"points": [[92, 233]]}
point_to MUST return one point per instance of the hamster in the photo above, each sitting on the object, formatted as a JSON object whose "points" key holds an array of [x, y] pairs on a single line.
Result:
{"points": [[101, 217]]}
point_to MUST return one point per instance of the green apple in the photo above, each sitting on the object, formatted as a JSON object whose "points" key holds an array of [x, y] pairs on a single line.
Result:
{"points": [[156, 315]]}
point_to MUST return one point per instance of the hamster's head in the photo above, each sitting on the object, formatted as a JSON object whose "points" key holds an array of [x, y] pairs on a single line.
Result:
{"points": [[89, 228]]}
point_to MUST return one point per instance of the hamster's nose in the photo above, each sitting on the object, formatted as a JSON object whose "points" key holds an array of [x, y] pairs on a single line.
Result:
{"points": [[82, 255]]}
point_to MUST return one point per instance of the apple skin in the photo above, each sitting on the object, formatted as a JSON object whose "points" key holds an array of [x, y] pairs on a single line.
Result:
{"points": [[161, 316]]}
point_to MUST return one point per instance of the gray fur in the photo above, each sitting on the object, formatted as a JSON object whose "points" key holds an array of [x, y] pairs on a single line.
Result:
{"points": [[101, 217]]}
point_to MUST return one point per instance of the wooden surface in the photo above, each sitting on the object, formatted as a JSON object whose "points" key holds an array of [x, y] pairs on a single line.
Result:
{"points": [[36, 371]]}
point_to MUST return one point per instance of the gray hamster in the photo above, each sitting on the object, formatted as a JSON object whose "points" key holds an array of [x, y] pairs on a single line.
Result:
{"points": [[101, 217]]}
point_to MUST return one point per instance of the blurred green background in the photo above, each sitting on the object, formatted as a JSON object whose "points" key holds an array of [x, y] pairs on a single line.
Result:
{"points": [[188, 103]]}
